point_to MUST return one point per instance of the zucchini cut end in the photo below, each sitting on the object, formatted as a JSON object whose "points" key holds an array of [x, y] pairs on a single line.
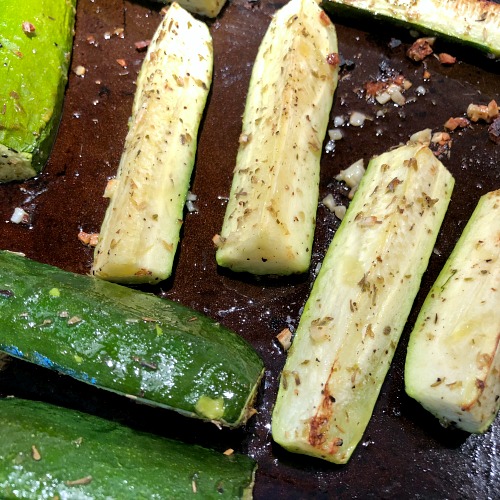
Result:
{"points": [[15, 166]]}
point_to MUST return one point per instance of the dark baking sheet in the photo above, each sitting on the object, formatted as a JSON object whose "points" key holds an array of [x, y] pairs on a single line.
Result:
{"points": [[405, 453]]}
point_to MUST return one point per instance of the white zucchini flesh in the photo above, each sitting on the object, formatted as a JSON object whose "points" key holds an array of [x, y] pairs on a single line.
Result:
{"points": [[359, 304], [141, 228], [208, 8], [470, 21], [453, 361], [270, 218]]}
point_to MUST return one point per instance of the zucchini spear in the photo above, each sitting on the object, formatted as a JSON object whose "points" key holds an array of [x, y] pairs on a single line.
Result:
{"points": [[36, 38], [270, 217], [50, 452], [453, 361], [476, 22], [122, 340], [141, 228], [359, 304]]}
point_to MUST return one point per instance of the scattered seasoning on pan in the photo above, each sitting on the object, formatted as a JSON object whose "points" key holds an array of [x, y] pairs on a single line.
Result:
{"points": [[487, 113], [89, 239], [456, 122], [446, 59], [285, 338], [420, 49], [142, 45], [20, 216], [494, 131], [79, 70]]}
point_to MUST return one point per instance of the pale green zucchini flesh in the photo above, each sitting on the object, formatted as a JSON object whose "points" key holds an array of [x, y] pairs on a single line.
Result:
{"points": [[467, 21], [453, 360], [36, 38], [207, 8], [141, 228], [359, 304], [270, 218], [48, 452]]}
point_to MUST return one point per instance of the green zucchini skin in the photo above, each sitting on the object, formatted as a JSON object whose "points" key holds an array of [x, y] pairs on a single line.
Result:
{"points": [[33, 76], [113, 461], [126, 341]]}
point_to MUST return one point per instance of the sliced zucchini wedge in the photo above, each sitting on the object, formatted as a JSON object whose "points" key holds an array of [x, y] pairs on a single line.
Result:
{"points": [[359, 304], [141, 229], [270, 218], [453, 361]]}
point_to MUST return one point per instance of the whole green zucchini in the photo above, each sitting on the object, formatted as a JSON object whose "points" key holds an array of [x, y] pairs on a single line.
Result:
{"points": [[36, 38], [50, 452], [126, 341]]}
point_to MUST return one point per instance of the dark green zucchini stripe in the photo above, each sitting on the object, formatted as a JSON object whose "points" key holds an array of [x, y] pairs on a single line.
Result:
{"points": [[52, 452], [125, 341]]}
